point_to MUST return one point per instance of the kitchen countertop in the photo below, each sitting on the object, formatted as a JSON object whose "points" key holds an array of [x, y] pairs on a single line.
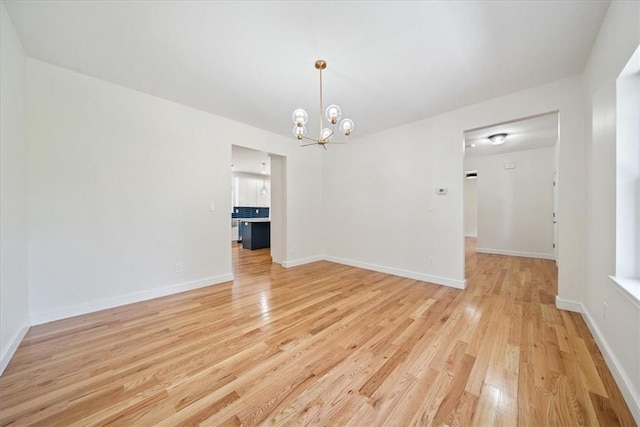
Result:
{"points": [[254, 219]]}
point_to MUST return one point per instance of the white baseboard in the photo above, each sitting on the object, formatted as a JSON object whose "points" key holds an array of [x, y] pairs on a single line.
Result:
{"points": [[301, 261], [14, 343], [568, 305], [515, 253], [77, 310], [459, 284], [623, 381]]}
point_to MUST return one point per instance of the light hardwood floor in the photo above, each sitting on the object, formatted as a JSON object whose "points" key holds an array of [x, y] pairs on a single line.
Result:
{"points": [[323, 344]]}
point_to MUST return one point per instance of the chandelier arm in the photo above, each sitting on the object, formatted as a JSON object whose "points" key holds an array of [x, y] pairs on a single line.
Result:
{"points": [[310, 139], [313, 142], [333, 131]]}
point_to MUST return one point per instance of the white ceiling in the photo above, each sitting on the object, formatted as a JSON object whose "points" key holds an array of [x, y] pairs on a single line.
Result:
{"points": [[389, 63], [249, 161], [526, 134]]}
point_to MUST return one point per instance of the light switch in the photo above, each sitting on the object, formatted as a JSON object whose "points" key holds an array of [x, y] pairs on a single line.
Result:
{"points": [[212, 206]]}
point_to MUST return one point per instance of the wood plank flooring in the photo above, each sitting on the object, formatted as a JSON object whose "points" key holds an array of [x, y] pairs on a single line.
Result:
{"points": [[322, 344]]}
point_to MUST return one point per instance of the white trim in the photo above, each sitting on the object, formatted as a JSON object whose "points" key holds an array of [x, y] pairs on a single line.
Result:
{"points": [[77, 310], [568, 305], [301, 261], [459, 284], [630, 288], [623, 381], [515, 253], [8, 352]]}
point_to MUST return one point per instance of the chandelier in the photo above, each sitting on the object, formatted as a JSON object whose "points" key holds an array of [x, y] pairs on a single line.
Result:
{"points": [[332, 114]]}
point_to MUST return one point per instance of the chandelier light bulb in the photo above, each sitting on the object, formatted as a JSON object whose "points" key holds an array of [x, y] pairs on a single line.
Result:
{"points": [[299, 131], [300, 117], [346, 126], [326, 134], [333, 113]]}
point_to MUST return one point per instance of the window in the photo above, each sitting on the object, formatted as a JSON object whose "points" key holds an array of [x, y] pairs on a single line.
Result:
{"points": [[628, 177]]}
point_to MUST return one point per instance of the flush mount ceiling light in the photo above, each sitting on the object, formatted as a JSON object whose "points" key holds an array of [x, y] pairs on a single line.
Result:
{"points": [[332, 114], [498, 138]]}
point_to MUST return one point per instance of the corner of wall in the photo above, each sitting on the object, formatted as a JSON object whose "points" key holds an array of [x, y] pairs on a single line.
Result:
{"points": [[14, 343], [14, 299]]}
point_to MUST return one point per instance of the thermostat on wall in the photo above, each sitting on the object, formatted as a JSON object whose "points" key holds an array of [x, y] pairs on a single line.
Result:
{"points": [[441, 191]]}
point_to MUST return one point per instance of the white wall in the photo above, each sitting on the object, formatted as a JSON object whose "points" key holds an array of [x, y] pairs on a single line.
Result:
{"points": [[14, 294], [278, 210], [619, 333], [119, 191], [470, 207], [381, 209], [515, 206]]}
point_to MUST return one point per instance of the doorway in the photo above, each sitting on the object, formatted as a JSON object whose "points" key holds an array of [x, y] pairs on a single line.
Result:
{"points": [[510, 175], [258, 201]]}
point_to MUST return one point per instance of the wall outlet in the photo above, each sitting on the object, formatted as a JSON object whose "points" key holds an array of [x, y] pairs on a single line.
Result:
{"points": [[178, 267], [604, 310]]}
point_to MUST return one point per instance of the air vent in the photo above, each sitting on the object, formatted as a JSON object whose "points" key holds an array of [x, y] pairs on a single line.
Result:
{"points": [[471, 174]]}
